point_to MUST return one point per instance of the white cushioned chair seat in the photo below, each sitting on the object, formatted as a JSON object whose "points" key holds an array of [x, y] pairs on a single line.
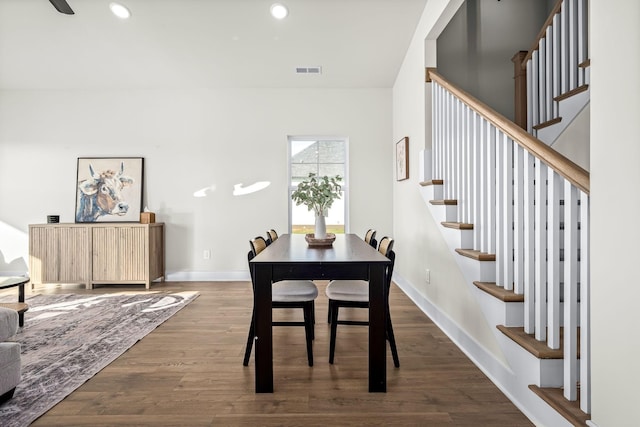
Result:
{"points": [[9, 352], [293, 290], [348, 290], [8, 323]]}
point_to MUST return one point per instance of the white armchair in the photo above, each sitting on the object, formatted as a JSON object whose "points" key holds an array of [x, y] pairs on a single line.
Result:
{"points": [[9, 354]]}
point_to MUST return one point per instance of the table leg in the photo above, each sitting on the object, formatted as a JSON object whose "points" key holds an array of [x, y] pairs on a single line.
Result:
{"points": [[377, 329], [21, 299], [263, 320]]}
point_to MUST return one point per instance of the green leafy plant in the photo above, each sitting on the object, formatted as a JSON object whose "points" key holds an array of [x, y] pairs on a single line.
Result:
{"points": [[318, 193]]}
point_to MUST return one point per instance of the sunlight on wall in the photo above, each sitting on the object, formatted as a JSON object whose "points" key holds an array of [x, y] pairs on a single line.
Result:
{"points": [[203, 191], [239, 190], [14, 249]]}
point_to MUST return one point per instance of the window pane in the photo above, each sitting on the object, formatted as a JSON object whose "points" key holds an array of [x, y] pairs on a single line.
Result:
{"points": [[331, 152], [321, 157]]}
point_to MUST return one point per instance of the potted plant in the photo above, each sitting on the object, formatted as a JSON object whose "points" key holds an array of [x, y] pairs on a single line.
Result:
{"points": [[318, 193]]}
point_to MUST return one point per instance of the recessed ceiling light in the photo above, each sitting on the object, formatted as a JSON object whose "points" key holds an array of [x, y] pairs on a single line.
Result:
{"points": [[119, 10], [279, 11]]}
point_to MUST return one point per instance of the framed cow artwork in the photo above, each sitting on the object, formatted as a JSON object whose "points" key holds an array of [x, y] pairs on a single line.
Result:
{"points": [[109, 189]]}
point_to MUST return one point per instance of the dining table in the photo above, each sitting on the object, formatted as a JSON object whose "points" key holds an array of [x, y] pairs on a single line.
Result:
{"points": [[291, 257]]}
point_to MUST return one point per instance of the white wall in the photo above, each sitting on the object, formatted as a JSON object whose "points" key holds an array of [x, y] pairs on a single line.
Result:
{"points": [[615, 203], [574, 141], [419, 242], [190, 140], [475, 49]]}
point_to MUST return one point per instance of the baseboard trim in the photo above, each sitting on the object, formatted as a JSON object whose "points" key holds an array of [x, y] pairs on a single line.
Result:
{"points": [[497, 372], [207, 276]]}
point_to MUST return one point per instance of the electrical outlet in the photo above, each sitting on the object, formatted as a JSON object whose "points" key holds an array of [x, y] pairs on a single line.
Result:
{"points": [[206, 254], [427, 276]]}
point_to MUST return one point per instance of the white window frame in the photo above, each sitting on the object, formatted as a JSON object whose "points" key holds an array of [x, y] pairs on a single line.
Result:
{"points": [[345, 178]]}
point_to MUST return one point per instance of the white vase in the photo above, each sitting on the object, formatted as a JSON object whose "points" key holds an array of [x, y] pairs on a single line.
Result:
{"points": [[321, 228]]}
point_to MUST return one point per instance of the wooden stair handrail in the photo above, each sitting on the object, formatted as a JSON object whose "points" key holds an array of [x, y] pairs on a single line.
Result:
{"points": [[543, 33], [556, 161]]}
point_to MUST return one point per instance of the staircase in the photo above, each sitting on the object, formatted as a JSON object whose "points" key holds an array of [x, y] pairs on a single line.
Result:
{"points": [[558, 72], [516, 213]]}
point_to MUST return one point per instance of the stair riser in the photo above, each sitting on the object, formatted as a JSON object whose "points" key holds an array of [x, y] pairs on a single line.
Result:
{"points": [[462, 239], [568, 109], [499, 312], [541, 372], [485, 270]]}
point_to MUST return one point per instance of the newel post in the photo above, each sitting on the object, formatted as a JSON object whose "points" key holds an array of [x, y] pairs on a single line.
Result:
{"points": [[520, 92]]}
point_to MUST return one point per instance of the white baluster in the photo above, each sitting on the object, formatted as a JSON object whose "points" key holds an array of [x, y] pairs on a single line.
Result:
{"points": [[542, 79], [553, 259], [500, 202], [535, 90], [585, 307], [469, 165], [540, 251], [548, 72], [570, 291], [518, 219], [564, 50], [572, 6], [491, 188], [477, 178], [507, 216], [583, 38], [529, 243], [556, 70], [435, 137], [530, 104], [484, 184]]}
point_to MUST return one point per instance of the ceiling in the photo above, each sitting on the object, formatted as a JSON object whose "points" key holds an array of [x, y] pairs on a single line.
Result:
{"points": [[204, 43]]}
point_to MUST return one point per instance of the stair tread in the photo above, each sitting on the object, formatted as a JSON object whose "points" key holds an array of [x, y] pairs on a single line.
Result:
{"points": [[547, 123], [499, 292], [572, 92], [532, 345], [448, 202], [477, 255], [457, 225], [568, 409], [432, 182]]}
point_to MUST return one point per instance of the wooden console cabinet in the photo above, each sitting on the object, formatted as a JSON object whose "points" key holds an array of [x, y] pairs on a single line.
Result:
{"points": [[96, 253]]}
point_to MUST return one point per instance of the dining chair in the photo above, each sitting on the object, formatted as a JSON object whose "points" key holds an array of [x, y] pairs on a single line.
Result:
{"points": [[370, 237], [285, 294], [272, 236], [355, 293]]}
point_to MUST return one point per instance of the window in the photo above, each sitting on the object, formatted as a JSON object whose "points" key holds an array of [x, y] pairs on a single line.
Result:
{"points": [[322, 156]]}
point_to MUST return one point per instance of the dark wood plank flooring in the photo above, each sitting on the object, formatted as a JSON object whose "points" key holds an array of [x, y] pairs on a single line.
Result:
{"points": [[188, 372]]}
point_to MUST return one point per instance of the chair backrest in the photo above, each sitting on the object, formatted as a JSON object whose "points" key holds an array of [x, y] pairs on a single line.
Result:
{"points": [[386, 245], [386, 249], [272, 236], [370, 237], [257, 244]]}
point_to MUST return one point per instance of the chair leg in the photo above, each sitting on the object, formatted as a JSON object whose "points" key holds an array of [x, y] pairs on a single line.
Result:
{"points": [[392, 342], [308, 328], [313, 319], [329, 314], [333, 309], [247, 352]]}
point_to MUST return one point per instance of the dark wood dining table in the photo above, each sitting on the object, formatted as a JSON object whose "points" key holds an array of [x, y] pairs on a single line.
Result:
{"points": [[291, 258]]}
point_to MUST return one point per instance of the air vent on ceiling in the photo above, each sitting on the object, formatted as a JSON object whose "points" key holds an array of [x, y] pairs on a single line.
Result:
{"points": [[308, 70]]}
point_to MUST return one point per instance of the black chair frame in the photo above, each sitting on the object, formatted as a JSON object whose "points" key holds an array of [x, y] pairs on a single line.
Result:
{"points": [[334, 307], [308, 323]]}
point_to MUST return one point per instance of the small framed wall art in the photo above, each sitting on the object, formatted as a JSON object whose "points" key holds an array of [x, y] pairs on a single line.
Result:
{"points": [[402, 159], [109, 189]]}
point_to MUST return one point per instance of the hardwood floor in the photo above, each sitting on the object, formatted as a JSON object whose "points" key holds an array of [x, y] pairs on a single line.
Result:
{"points": [[188, 372]]}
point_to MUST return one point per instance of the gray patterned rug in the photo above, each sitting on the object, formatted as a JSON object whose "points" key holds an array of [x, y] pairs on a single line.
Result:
{"points": [[66, 339]]}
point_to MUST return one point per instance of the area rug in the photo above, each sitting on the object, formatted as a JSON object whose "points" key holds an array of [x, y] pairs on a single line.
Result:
{"points": [[66, 339]]}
